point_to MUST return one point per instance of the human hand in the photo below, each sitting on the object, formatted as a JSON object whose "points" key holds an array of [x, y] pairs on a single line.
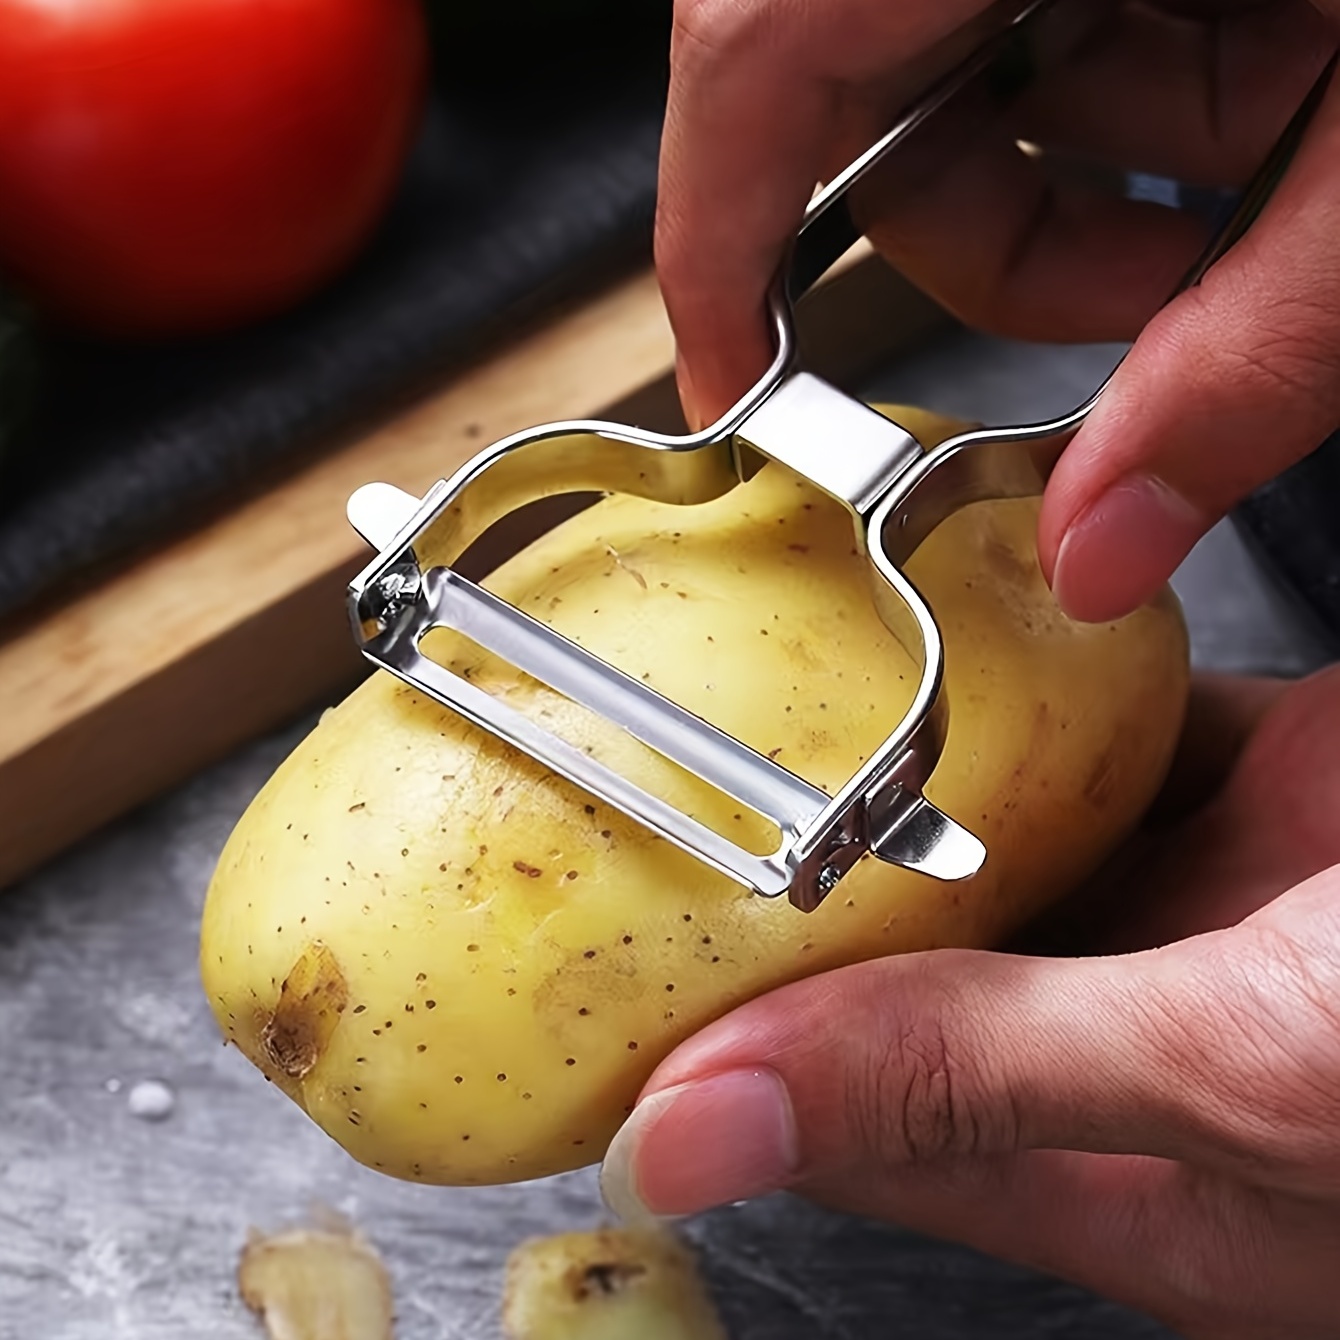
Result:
{"points": [[1162, 1126], [1225, 387]]}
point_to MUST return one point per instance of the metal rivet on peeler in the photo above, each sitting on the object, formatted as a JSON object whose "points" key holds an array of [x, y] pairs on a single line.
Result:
{"points": [[829, 878], [393, 592]]}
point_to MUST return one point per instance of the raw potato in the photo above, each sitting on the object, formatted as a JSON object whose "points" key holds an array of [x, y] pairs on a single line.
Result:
{"points": [[464, 969], [316, 1284], [616, 1284]]}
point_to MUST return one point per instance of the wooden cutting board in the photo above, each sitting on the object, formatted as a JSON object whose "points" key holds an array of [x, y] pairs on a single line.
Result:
{"points": [[230, 631]]}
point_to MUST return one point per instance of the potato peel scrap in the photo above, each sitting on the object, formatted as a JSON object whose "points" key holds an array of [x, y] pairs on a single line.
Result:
{"points": [[615, 1284], [316, 1284]]}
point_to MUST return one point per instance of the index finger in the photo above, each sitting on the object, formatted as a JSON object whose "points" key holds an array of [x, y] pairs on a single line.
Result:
{"points": [[757, 95]]}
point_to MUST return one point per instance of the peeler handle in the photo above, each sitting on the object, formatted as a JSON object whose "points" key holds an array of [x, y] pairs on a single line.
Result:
{"points": [[1007, 62], [1240, 216]]}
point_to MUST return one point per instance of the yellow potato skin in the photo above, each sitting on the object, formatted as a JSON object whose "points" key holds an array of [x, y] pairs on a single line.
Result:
{"points": [[464, 969]]}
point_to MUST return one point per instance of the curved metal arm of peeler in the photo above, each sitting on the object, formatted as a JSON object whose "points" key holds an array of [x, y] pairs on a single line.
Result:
{"points": [[1026, 230]]}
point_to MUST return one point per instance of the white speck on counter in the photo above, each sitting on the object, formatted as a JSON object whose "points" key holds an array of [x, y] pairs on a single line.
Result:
{"points": [[112, 1085], [151, 1100]]}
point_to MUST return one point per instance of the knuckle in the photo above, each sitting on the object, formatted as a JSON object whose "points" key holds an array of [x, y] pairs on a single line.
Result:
{"points": [[1289, 363], [1266, 1059], [920, 1101], [1289, 349], [1209, 1276], [1228, 1261], [708, 30], [672, 252]]}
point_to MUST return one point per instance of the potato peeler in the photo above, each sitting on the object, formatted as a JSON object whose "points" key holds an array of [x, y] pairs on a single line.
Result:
{"points": [[895, 491]]}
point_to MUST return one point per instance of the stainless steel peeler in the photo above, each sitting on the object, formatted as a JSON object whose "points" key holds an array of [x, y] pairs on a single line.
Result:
{"points": [[895, 491]]}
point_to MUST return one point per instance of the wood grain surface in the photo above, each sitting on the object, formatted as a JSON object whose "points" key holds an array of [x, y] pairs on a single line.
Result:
{"points": [[233, 629]]}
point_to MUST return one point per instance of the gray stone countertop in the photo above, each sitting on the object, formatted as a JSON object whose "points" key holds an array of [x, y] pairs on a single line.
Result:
{"points": [[114, 1227]]}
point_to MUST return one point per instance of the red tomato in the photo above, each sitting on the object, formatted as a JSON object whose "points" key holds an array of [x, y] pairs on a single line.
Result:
{"points": [[182, 166]]}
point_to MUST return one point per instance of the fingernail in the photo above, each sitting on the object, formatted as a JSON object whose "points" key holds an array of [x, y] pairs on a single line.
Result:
{"points": [[687, 399], [711, 1142], [1117, 553]]}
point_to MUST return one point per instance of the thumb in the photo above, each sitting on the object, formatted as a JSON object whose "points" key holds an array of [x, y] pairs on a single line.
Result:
{"points": [[1232, 383], [904, 1064]]}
